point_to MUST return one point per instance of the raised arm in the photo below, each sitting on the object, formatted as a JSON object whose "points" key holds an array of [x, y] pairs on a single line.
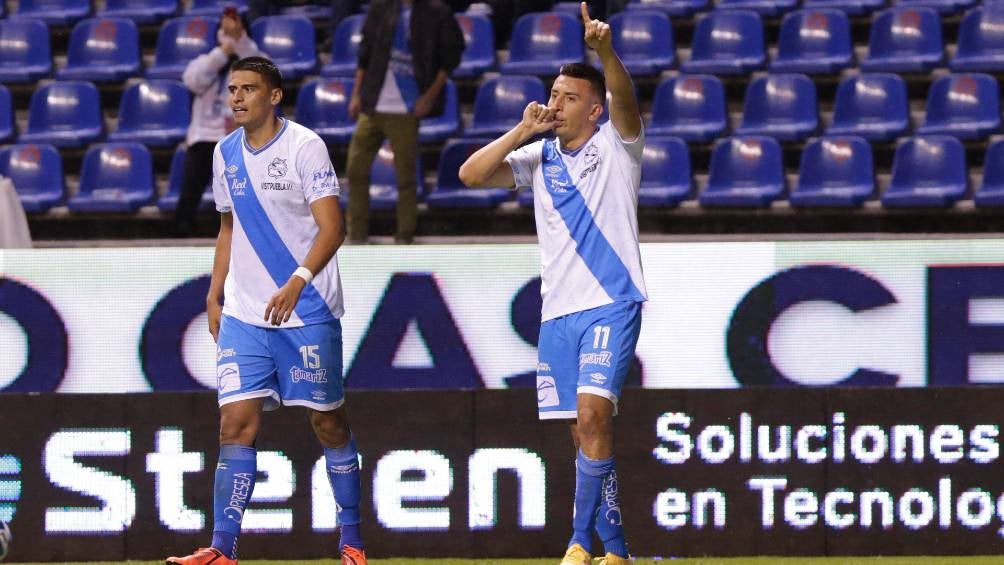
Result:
{"points": [[487, 166], [624, 113]]}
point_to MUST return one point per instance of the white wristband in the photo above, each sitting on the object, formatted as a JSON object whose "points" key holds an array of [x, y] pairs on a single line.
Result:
{"points": [[304, 273]]}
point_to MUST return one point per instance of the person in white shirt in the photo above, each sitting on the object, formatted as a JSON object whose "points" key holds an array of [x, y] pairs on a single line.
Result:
{"points": [[585, 187], [277, 329], [206, 77]]}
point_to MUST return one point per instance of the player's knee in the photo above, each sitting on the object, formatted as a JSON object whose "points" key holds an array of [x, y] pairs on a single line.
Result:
{"points": [[331, 430], [235, 431], [592, 422]]}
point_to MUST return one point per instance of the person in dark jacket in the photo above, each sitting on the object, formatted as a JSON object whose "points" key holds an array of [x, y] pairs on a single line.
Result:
{"points": [[408, 50]]}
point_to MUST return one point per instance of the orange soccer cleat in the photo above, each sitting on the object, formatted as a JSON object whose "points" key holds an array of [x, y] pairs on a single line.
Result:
{"points": [[353, 556], [205, 556]]}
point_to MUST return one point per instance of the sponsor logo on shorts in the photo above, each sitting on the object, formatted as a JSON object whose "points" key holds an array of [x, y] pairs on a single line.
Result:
{"points": [[222, 354], [317, 377], [598, 378], [601, 358], [543, 368], [228, 377], [547, 393], [318, 395]]}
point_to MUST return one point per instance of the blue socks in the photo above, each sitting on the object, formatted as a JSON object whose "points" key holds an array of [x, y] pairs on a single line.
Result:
{"points": [[235, 478], [343, 474], [597, 504]]}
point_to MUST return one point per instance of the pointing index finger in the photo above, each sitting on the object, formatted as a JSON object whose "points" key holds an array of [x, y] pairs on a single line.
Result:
{"points": [[585, 13]]}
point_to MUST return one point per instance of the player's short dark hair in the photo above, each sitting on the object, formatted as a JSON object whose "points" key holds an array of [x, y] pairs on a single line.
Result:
{"points": [[587, 72], [262, 66]]}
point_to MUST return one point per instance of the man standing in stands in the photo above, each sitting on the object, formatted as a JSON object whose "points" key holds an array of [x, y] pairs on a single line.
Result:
{"points": [[206, 77], [278, 335], [408, 50], [585, 187]]}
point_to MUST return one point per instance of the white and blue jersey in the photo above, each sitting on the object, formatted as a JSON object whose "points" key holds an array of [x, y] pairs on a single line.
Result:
{"points": [[269, 191], [586, 209]]}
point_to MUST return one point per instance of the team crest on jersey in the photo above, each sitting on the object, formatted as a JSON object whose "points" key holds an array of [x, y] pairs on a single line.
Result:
{"points": [[591, 157], [277, 168]]}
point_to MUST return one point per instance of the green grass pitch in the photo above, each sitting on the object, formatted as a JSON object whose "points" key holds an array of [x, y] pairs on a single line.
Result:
{"points": [[988, 560]]}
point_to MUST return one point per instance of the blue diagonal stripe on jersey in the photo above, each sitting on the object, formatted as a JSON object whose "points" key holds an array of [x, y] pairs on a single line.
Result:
{"points": [[264, 238], [590, 243]]}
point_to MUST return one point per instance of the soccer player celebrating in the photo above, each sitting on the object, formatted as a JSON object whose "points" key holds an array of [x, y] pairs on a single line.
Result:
{"points": [[585, 188], [278, 334]]}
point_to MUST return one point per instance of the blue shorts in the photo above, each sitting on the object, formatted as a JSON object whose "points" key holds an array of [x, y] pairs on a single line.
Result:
{"points": [[292, 366], [586, 352]]}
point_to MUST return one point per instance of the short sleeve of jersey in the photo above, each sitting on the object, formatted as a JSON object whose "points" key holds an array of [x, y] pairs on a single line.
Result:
{"points": [[220, 193], [634, 148], [317, 173], [523, 162]]}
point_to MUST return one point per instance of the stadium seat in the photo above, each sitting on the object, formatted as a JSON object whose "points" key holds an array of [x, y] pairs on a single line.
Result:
{"points": [[214, 7], [500, 101], [289, 42], [849, 7], [644, 41], [904, 40], [323, 106], [768, 8], [436, 129], [175, 178], [345, 47], [945, 7], [525, 198], [964, 105], [140, 11], [871, 105], [53, 12], [383, 181], [479, 46], [7, 123], [727, 42], [781, 106], [115, 177], [314, 10], [543, 41], [835, 171], [64, 114], [670, 7], [991, 191], [102, 49], [689, 106], [37, 174], [665, 172], [745, 172], [25, 54], [980, 45], [927, 171], [814, 41], [449, 192], [155, 113], [180, 40]]}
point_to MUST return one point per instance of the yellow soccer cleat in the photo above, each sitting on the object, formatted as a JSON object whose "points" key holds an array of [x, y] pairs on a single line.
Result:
{"points": [[576, 555], [612, 559]]}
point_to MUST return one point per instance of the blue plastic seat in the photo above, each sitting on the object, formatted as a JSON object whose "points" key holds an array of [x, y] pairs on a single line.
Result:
{"points": [[180, 40], [449, 192], [814, 41], [25, 54], [175, 178], [314, 11], [745, 172], [689, 106], [102, 49], [769, 8], [345, 47], [644, 41], [727, 42], [942, 6], [665, 172], [155, 113], [670, 7], [323, 106], [115, 177], [781, 106], [904, 40], [835, 171], [543, 41], [964, 105], [871, 105], [215, 7], [500, 101], [991, 190], [980, 45], [436, 129], [53, 12], [64, 114], [479, 46], [849, 7], [927, 171], [140, 11], [289, 42], [37, 174], [6, 114]]}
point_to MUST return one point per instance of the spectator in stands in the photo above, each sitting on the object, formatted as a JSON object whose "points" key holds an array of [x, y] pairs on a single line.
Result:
{"points": [[408, 50], [207, 77]]}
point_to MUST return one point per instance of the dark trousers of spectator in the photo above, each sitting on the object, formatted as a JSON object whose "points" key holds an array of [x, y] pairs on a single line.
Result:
{"points": [[371, 130], [197, 174]]}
